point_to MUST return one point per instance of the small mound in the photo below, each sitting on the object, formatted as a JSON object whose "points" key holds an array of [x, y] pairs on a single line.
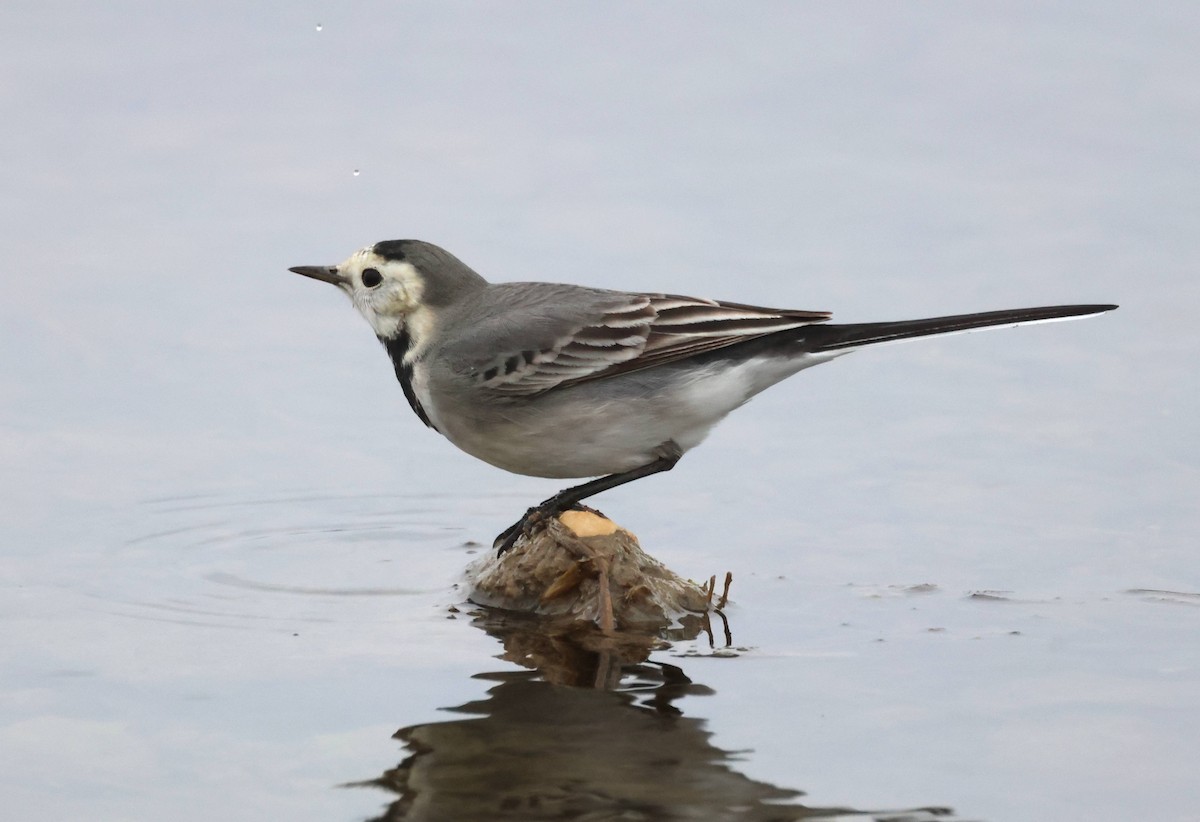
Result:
{"points": [[584, 567]]}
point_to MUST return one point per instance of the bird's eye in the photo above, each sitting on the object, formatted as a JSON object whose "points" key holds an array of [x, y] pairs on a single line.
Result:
{"points": [[371, 277]]}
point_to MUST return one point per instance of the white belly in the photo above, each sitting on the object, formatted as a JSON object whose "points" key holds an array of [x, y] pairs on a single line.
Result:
{"points": [[605, 426]]}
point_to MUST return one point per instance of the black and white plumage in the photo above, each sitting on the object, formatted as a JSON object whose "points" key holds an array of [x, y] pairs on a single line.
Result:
{"points": [[555, 380]]}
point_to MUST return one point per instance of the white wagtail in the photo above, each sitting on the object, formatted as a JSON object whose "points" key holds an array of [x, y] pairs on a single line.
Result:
{"points": [[559, 381]]}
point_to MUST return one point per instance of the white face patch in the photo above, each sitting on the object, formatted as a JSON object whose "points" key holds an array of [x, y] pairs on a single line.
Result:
{"points": [[386, 292]]}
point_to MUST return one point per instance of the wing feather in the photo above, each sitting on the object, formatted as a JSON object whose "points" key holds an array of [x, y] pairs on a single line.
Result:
{"points": [[644, 331]]}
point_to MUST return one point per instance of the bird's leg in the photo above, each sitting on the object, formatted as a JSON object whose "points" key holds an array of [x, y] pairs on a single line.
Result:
{"points": [[568, 498]]}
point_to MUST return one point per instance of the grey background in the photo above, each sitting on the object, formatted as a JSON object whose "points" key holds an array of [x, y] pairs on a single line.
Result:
{"points": [[200, 447]]}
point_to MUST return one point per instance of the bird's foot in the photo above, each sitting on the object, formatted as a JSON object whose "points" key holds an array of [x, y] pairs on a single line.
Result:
{"points": [[536, 517], [523, 527]]}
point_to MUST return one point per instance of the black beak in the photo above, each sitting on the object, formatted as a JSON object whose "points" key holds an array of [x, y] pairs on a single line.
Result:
{"points": [[324, 273]]}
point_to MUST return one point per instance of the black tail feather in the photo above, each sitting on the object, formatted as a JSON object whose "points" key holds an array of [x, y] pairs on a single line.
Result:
{"points": [[819, 338]]}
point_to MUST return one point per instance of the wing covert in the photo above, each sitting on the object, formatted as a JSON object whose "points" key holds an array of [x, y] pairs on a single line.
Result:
{"points": [[622, 333]]}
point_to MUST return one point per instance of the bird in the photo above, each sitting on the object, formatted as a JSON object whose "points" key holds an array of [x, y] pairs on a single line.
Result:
{"points": [[565, 381]]}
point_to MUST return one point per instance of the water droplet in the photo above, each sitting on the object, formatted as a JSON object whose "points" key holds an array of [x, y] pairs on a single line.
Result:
{"points": [[356, 172], [318, 26]]}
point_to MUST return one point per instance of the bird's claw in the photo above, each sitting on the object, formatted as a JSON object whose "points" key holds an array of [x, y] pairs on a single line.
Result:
{"points": [[522, 527], [536, 517]]}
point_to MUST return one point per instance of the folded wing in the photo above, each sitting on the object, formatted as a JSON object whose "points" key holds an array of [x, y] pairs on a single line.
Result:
{"points": [[639, 331]]}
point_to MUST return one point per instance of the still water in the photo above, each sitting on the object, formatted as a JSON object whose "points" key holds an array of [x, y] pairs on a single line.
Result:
{"points": [[312, 656], [966, 578]]}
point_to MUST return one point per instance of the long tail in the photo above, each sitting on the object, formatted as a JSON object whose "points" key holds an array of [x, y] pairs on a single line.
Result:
{"points": [[818, 338]]}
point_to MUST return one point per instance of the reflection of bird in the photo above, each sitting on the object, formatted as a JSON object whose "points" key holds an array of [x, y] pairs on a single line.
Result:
{"points": [[566, 381], [535, 751]]}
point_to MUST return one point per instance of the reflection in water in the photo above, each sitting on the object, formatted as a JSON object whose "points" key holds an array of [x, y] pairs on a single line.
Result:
{"points": [[538, 749], [576, 653]]}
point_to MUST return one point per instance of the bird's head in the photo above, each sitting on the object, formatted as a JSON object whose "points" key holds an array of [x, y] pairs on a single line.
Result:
{"points": [[384, 288], [397, 284]]}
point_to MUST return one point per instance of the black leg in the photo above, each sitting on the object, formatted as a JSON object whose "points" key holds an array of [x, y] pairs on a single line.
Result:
{"points": [[568, 498]]}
